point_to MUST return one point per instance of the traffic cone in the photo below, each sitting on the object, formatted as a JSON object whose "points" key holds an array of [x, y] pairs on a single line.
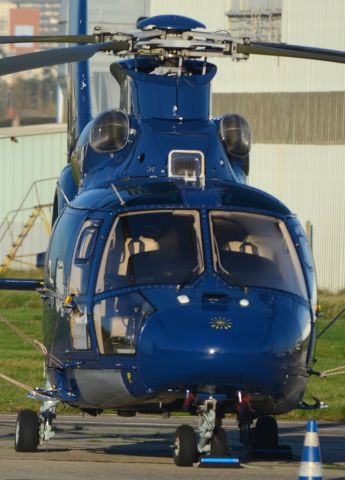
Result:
{"points": [[311, 468]]}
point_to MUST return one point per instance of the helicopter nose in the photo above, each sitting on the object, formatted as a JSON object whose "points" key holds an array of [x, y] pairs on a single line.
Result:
{"points": [[193, 346]]}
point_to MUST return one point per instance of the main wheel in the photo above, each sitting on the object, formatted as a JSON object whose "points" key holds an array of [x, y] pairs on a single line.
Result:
{"points": [[185, 446], [266, 432], [219, 443], [27, 431]]}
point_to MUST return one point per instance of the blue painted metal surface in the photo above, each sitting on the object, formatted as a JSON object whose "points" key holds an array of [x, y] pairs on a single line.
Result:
{"points": [[170, 22], [176, 97], [20, 284], [80, 103]]}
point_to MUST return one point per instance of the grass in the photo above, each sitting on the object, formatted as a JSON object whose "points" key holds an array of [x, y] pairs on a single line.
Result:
{"points": [[19, 360], [330, 353]]}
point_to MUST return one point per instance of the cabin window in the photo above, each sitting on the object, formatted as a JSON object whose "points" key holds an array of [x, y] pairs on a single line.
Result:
{"points": [[152, 247], [84, 250], [255, 250], [118, 321]]}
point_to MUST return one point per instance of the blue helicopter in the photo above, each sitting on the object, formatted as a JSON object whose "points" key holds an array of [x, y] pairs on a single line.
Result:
{"points": [[170, 284]]}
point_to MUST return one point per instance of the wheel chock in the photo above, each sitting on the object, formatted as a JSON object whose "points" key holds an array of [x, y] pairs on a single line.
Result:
{"points": [[219, 462], [282, 452]]}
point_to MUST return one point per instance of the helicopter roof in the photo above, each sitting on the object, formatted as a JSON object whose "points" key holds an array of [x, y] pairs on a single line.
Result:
{"points": [[154, 192]]}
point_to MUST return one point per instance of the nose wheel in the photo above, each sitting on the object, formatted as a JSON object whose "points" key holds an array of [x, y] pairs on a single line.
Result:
{"points": [[212, 437], [185, 446]]}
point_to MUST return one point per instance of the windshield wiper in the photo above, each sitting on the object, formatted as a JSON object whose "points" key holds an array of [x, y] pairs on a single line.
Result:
{"points": [[233, 278], [188, 278]]}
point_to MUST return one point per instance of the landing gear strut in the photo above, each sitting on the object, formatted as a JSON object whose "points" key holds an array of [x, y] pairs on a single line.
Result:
{"points": [[46, 416], [212, 441], [212, 436]]}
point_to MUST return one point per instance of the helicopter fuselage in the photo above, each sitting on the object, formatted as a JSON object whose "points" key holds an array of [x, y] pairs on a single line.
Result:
{"points": [[167, 275], [162, 288]]}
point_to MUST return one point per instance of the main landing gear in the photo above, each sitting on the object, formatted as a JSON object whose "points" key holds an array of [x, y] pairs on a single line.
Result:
{"points": [[32, 428], [261, 441], [212, 437], [27, 431]]}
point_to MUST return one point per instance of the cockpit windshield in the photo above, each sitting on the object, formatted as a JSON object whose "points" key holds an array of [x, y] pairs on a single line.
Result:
{"points": [[257, 250], [160, 247]]}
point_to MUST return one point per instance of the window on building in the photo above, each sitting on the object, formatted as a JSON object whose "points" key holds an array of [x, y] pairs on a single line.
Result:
{"points": [[259, 24]]}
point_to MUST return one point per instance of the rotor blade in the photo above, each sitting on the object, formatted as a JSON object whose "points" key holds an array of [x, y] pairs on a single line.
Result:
{"points": [[294, 51], [82, 39], [56, 56], [48, 39]]}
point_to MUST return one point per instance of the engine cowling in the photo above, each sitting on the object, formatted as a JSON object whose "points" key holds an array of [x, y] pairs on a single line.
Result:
{"points": [[235, 133]]}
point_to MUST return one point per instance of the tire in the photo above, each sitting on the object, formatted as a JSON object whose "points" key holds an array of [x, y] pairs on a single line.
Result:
{"points": [[185, 446], [27, 431], [266, 432], [219, 443]]}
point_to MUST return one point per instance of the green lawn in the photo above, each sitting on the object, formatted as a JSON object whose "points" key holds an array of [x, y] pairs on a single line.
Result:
{"points": [[330, 353], [18, 359]]}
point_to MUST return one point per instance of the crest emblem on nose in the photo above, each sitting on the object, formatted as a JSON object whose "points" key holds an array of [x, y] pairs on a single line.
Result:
{"points": [[220, 323]]}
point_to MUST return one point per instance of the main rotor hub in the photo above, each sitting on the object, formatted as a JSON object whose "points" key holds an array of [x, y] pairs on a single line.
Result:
{"points": [[168, 23]]}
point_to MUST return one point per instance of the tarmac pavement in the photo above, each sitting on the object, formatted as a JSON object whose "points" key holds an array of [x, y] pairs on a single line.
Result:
{"points": [[112, 447]]}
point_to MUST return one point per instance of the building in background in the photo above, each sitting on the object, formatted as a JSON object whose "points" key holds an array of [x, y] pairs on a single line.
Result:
{"points": [[49, 14], [261, 23], [24, 21]]}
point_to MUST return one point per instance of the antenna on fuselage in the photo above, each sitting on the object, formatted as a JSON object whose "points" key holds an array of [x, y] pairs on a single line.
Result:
{"points": [[63, 193], [117, 193]]}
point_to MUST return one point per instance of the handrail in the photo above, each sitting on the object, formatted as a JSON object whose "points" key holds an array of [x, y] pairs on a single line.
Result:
{"points": [[33, 187]]}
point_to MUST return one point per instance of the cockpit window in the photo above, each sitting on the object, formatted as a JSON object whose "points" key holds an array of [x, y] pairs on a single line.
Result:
{"points": [[84, 250], [257, 250], [162, 246]]}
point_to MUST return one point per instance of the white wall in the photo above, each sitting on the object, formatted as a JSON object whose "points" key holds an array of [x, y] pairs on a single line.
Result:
{"points": [[307, 22], [309, 179]]}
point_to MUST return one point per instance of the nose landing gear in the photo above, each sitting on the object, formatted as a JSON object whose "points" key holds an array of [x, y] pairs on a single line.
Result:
{"points": [[213, 440], [212, 445]]}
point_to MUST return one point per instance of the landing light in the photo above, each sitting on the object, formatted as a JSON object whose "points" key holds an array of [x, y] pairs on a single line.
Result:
{"points": [[183, 299], [244, 302]]}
